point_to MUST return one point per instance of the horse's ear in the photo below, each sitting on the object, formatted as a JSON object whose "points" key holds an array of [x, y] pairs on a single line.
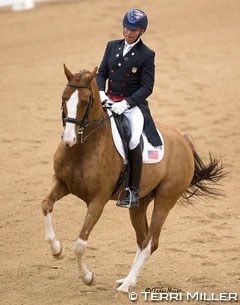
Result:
{"points": [[67, 72], [92, 74]]}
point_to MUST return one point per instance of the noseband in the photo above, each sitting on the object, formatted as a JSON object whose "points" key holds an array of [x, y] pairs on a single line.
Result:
{"points": [[83, 123]]}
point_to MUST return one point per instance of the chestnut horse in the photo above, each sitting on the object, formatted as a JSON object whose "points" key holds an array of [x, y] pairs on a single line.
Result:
{"points": [[88, 165]]}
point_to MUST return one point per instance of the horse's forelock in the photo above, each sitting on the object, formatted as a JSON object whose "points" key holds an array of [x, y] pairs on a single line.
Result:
{"points": [[85, 72], [82, 74]]}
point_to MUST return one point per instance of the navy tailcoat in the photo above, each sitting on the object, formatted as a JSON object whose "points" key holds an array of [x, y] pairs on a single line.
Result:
{"points": [[130, 77]]}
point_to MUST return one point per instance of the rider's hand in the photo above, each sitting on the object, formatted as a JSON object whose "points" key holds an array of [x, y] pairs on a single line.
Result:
{"points": [[120, 107], [106, 101]]}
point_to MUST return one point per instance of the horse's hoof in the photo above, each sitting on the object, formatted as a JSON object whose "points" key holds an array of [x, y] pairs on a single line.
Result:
{"points": [[93, 280], [123, 288], [118, 283], [60, 254], [89, 279]]}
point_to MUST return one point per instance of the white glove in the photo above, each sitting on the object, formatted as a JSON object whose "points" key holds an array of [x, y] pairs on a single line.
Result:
{"points": [[120, 107], [106, 101]]}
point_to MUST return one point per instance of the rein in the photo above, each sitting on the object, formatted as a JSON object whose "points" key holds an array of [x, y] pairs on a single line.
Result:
{"points": [[82, 123]]}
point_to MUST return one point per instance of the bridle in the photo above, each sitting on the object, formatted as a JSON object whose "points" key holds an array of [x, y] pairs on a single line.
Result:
{"points": [[83, 123]]}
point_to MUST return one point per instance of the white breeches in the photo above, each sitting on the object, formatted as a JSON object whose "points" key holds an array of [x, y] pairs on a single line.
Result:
{"points": [[136, 120]]}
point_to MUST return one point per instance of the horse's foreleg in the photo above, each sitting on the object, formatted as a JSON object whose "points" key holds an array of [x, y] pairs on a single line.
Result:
{"points": [[93, 214], [57, 191]]}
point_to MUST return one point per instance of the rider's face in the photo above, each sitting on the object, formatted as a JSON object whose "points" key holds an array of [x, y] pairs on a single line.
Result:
{"points": [[130, 35]]}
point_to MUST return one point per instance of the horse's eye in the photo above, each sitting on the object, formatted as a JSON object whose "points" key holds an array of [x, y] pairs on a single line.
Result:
{"points": [[84, 102], [65, 97]]}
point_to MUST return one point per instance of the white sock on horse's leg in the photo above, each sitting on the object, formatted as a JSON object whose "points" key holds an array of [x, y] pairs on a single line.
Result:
{"points": [[55, 245], [119, 282], [139, 262], [83, 273]]}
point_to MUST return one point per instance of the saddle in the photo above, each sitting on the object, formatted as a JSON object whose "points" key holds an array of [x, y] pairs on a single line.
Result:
{"points": [[123, 127], [121, 133], [124, 130]]}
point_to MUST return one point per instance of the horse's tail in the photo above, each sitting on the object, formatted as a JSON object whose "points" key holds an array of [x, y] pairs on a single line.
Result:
{"points": [[206, 177]]}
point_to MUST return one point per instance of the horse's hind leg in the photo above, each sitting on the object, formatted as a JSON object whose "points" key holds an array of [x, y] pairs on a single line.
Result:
{"points": [[140, 224], [57, 191], [150, 242]]}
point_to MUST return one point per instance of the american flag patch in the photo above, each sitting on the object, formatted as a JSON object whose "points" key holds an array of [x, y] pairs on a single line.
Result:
{"points": [[153, 154]]}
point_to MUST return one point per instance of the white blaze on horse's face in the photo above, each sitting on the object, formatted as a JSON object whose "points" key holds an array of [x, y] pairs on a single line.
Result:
{"points": [[69, 137]]}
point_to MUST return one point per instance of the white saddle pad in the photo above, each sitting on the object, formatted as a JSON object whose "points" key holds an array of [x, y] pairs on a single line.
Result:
{"points": [[151, 154]]}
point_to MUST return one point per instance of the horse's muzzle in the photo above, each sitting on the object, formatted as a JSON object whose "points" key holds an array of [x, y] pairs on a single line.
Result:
{"points": [[68, 142]]}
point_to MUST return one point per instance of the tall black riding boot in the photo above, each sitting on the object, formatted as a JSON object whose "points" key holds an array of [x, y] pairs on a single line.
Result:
{"points": [[135, 164]]}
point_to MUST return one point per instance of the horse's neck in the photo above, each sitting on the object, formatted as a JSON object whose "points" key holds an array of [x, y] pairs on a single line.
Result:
{"points": [[97, 140], [99, 127], [97, 112]]}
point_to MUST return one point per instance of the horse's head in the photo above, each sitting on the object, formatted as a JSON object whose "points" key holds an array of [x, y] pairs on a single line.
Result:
{"points": [[77, 102]]}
